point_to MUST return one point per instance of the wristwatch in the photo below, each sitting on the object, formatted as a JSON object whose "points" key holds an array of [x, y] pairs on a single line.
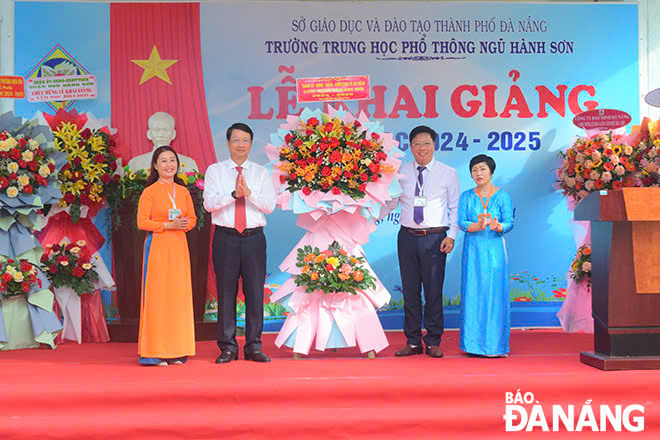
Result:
{"points": [[233, 194]]}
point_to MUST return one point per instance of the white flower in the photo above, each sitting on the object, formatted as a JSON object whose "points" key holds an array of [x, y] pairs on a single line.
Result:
{"points": [[589, 185], [570, 182], [44, 171], [23, 180], [579, 158], [11, 142], [28, 156], [87, 266], [64, 263], [12, 191], [619, 170], [595, 155], [4, 146], [588, 164], [18, 276], [586, 266], [12, 167], [81, 243], [615, 159], [595, 175], [33, 144], [627, 150], [75, 250], [606, 176]]}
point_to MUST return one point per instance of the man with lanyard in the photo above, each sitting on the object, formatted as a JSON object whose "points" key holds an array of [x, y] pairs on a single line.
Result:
{"points": [[429, 225], [238, 193]]}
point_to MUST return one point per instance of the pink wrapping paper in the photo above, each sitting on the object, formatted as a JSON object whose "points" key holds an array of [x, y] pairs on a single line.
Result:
{"points": [[94, 328]]}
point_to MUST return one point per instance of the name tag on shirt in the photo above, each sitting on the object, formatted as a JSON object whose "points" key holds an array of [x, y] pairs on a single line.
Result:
{"points": [[419, 202], [173, 213]]}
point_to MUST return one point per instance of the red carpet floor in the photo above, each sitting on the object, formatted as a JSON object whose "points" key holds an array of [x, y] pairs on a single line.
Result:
{"points": [[97, 391]]}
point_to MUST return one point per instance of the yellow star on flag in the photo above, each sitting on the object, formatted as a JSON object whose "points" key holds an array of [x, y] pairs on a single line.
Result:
{"points": [[154, 66]]}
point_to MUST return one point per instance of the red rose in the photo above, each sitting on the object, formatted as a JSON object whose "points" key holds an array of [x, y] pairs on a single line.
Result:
{"points": [[334, 142], [113, 165], [40, 152], [51, 167], [314, 148], [298, 143], [4, 182], [282, 179], [25, 266], [325, 186], [336, 190], [56, 248], [364, 177], [375, 136], [313, 122], [357, 124], [15, 153], [325, 171], [77, 161], [362, 187], [374, 167], [328, 127], [329, 267], [78, 272], [115, 178], [106, 178], [288, 138], [617, 184], [292, 176], [32, 165], [44, 257], [7, 277], [309, 132], [374, 178], [306, 191], [99, 158], [52, 268], [4, 154], [27, 189], [25, 286], [323, 146], [22, 142], [347, 130], [348, 174], [86, 134], [62, 259], [77, 175], [3, 136], [335, 157], [3, 286], [69, 198], [84, 198], [22, 163], [13, 176]]}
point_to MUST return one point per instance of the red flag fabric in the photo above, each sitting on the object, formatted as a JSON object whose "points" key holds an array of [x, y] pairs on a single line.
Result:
{"points": [[156, 65]]}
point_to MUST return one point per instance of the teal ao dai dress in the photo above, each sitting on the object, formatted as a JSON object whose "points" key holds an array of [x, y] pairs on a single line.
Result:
{"points": [[485, 303]]}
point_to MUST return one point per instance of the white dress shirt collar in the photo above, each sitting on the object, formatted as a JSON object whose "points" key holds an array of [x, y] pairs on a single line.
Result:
{"points": [[429, 166]]}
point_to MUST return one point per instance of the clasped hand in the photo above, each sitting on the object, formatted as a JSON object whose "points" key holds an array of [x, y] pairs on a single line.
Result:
{"points": [[179, 223], [493, 223], [242, 189]]}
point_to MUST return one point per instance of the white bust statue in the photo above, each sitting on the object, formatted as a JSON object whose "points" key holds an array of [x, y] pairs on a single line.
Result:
{"points": [[161, 132]]}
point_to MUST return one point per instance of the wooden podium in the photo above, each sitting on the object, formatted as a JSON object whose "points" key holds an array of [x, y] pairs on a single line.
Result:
{"points": [[127, 250], [625, 277]]}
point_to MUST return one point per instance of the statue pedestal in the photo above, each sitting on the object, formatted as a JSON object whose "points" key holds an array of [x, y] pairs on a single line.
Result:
{"points": [[127, 250]]}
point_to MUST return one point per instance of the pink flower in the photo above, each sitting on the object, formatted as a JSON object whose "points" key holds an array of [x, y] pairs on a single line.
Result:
{"points": [[200, 184]]}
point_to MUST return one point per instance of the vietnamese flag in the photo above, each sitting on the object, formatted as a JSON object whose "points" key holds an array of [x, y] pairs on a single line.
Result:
{"points": [[156, 65]]}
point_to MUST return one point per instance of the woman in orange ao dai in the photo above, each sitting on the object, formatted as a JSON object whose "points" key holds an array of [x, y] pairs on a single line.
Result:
{"points": [[166, 211]]}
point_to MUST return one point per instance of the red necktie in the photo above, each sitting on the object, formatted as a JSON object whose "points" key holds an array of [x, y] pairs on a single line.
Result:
{"points": [[239, 211]]}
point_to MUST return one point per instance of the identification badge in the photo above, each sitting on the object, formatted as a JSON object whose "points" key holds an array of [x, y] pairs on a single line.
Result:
{"points": [[488, 216], [173, 213], [419, 202]]}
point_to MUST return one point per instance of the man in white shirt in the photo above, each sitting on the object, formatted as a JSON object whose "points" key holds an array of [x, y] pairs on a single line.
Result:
{"points": [[238, 193], [429, 225]]}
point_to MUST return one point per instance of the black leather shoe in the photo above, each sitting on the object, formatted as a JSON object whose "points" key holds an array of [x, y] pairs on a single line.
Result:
{"points": [[226, 356], [409, 350], [256, 356], [434, 351]]}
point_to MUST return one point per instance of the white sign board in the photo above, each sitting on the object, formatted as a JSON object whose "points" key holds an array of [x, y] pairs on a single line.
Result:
{"points": [[61, 88]]}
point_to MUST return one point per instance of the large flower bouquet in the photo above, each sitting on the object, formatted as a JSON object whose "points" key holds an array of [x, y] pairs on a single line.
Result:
{"points": [[581, 265], [330, 154], [600, 162], [332, 271], [649, 153], [69, 265], [18, 278], [92, 163], [23, 165]]}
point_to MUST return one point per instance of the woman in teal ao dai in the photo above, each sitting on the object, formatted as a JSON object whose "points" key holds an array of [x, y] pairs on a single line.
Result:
{"points": [[485, 214]]}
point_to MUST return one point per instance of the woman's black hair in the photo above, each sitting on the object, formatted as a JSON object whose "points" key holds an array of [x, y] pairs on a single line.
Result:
{"points": [[483, 158], [153, 173]]}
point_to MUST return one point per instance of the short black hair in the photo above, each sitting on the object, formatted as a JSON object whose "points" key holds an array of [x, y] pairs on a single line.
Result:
{"points": [[422, 129], [490, 162], [239, 126]]}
